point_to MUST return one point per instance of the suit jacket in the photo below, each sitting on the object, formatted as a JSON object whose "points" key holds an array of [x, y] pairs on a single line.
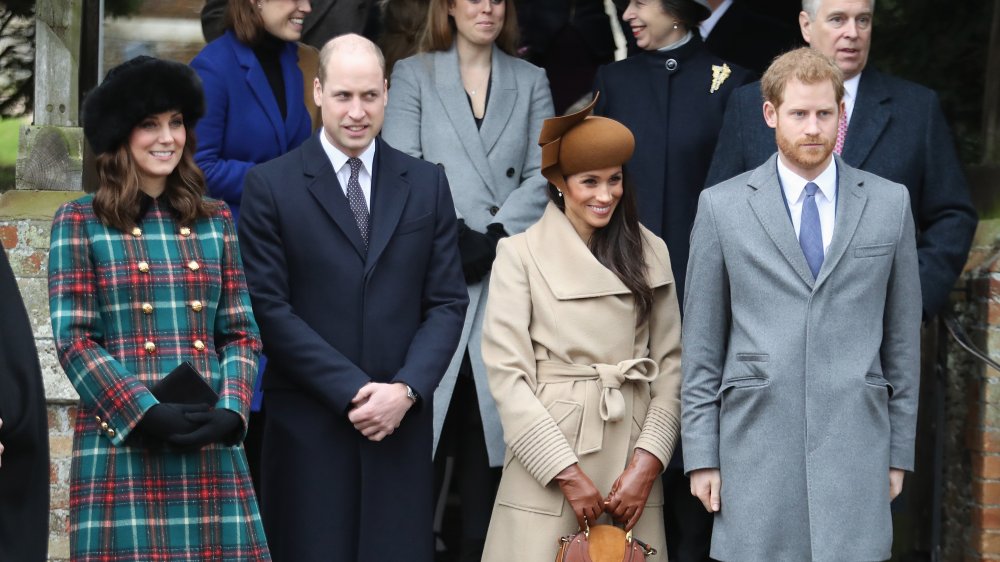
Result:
{"points": [[242, 125], [675, 118], [328, 19], [494, 174], [802, 392], [751, 40], [898, 132], [24, 482], [576, 380], [334, 317]]}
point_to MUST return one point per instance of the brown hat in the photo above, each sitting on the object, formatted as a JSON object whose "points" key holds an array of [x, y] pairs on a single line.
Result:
{"points": [[579, 142]]}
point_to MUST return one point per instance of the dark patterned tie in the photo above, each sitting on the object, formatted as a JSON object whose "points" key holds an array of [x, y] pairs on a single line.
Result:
{"points": [[810, 232], [356, 198]]}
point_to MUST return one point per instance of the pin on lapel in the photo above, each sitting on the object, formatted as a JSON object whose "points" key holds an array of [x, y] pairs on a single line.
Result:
{"points": [[719, 75]]}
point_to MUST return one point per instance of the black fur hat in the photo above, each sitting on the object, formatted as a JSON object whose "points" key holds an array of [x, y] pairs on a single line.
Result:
{"points": [[135, 89]]}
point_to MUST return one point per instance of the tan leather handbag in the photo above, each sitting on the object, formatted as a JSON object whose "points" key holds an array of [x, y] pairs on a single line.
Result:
{"points": [[603, 543]]}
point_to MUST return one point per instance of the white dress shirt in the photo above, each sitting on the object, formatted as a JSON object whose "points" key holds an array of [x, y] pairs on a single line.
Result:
{"points": [[339, 162], [709, 24], [794, 187], [851, 95]]}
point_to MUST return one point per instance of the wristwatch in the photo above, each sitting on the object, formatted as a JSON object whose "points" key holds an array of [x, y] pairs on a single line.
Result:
{"points": [[410, 393]]}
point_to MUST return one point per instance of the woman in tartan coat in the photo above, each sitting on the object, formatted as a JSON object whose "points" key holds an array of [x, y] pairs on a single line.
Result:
{"points": [[143, 275]]}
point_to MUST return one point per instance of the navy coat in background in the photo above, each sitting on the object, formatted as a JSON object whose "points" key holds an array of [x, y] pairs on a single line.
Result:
{"points": [[334, 317], [750, 39], [242, 125], [898, 132], [675, 117], [24, 474]]}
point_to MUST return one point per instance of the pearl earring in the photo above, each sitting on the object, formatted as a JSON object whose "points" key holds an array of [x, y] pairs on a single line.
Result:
{"points": [[560, 193], [675, 24]]}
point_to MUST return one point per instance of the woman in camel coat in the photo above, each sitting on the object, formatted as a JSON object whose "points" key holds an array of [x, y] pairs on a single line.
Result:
{"points": [[583, 362]]}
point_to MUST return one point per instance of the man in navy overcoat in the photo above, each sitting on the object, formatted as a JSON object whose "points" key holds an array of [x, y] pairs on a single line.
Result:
{"points": [[351, 256], [894, 129]]}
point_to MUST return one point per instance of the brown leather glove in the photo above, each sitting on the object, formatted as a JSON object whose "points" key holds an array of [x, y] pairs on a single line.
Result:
{"points": [[631, 490], [582, 495]]}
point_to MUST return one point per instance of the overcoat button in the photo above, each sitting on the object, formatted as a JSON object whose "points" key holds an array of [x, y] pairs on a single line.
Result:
{"points": [[185, 231], [510, 172], [494, 210], [196, 306], [143, 267], [150, 347], [199, 345], [147, 308], [671, 64], [193, 265], [111, 433], [137, 232], [104, 426]]}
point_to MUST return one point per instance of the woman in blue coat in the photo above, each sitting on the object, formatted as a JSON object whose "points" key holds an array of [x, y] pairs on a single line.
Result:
{"points": [[254, 102], [672, 96]]}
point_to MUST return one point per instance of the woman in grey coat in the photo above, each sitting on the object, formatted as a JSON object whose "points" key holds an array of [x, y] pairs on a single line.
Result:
{"points": [[467, 105]]}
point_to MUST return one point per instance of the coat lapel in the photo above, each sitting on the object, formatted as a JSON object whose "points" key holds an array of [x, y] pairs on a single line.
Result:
{"points": [[503, 96], [869, 119], [851, 199], [456, 106], [257, 82], [321, 180], [294, 90], [768, 203], [390, 190]]}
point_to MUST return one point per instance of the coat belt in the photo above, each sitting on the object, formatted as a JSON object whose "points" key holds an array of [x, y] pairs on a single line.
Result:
{"points": [[610, 403]]}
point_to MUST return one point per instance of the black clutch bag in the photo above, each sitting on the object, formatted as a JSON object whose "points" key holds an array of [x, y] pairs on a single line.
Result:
{"points": [[184, 385]]}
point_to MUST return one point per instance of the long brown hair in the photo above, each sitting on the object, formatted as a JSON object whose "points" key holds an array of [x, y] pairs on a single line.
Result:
{"points": [[244, 20], [619, 247], [439, 32], [117, 201]]}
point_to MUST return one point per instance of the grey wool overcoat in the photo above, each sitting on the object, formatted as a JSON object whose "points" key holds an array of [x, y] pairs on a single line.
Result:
{"points": [[802, 392], [493, 171]]}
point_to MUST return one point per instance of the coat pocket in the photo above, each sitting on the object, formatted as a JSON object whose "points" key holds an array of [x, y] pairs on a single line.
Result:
{"points": [[415, 224], [873, 250], [742, 382], [753, 357], [873, 379], [568, 416]]}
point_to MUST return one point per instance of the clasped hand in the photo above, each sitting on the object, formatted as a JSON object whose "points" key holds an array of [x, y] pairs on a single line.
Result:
{"points": [[191, 426], [378, 409], [628, 494]]}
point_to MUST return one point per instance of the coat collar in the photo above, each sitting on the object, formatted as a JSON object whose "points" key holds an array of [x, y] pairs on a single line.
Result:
{"points": [[503, 96], [569, 268], [768, 203], [870, 118]]}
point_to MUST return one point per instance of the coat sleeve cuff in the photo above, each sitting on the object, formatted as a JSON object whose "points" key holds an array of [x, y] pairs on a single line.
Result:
{"points": [[659, 434], [700, 452], [901, 457], [543, 450]]}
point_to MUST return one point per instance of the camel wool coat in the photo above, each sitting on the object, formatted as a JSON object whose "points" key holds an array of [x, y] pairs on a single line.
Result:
{"points": [[575, 380]]}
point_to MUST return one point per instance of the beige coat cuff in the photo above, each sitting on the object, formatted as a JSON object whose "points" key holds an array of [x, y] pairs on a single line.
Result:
{"points": [[659, 433], [543, 450]]}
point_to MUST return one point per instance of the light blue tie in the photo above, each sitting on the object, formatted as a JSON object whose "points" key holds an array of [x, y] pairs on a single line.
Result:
{"points": [[810, 232]]}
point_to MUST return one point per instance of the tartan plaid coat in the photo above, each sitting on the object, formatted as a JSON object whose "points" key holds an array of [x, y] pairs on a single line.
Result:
{"points": [[127, 307]]}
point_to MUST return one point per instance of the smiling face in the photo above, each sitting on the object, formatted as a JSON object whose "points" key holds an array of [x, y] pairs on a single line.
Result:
{"points": [[651, 25], [156, 145], [591, 197], [477, 22], [805, 126], [841, 30], [283, 18], [352, 99]]}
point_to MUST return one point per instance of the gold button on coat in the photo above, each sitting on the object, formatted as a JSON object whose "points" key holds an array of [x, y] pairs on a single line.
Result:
{"points": [[199, 345], [147, 308], [137, 232], [150, 347], [185, 231], [193, 265], [111, 433], [104, 426], [98, 418], [144, 267], [196, 306]]}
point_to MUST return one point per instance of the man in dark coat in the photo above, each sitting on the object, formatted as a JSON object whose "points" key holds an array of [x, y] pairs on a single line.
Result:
{"points": [[738, 34], [360, 313], [894, 129], [24, 469]]}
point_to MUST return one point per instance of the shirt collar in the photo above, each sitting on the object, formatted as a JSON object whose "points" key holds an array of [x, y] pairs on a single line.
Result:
{"points": [[851, 87], [794, 185], [709, 24], [679, 43], [338, 159]]}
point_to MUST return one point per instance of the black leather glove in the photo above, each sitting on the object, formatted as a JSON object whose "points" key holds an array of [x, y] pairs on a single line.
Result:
{"points": [[214, 426], [477, 251], [166, 419]]}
